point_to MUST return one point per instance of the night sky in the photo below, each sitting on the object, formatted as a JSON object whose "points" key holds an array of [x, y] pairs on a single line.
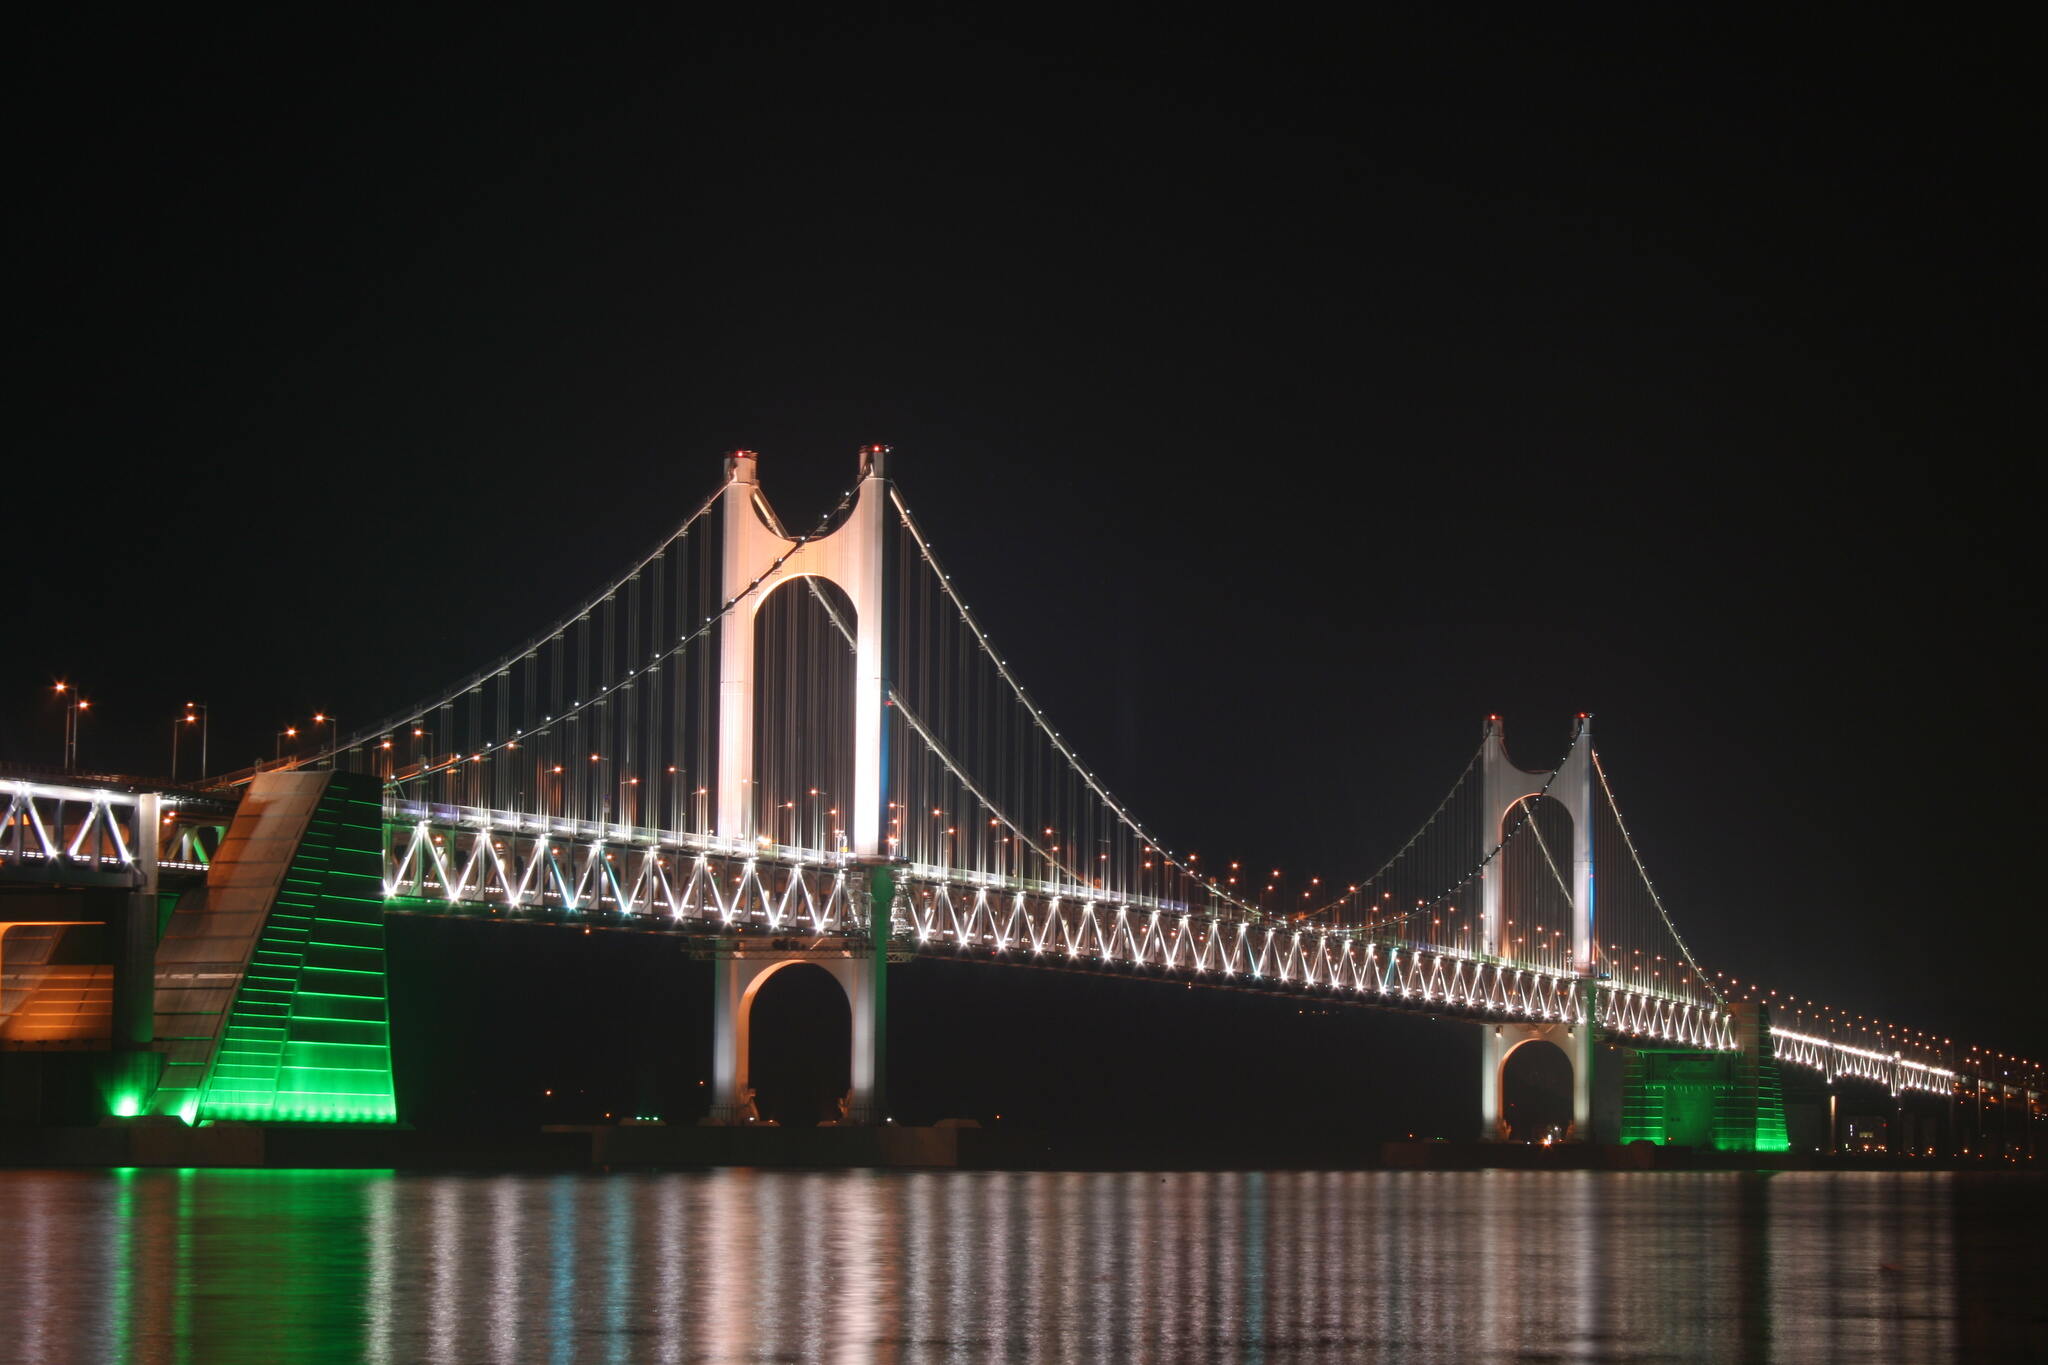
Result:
{"points": [[1285, 398]]}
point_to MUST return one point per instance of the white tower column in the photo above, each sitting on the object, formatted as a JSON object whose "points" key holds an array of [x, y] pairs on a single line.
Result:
{"points": [[761, 556], [736, 652], [1502, 785]]}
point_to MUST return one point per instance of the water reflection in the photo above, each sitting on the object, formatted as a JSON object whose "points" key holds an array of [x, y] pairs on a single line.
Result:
{"points": [[754, 1265]]}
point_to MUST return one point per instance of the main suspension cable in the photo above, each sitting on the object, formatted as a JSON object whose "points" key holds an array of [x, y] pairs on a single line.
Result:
{"points": [[416, 713], [1038, 717], [1629, 841]]}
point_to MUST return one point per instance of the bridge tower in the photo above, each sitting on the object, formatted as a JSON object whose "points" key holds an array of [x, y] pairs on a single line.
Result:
{"points": [[760, 556], [1503, 786]]}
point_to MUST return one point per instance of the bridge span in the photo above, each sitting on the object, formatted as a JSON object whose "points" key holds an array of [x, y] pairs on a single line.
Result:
{"points": [[790, 748]]}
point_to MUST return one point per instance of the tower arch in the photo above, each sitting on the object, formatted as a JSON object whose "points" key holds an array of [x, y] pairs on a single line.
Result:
{"points": [[736, 984], [1499, 1042], [1536, 1092], [802, 789], [1504, 787]]}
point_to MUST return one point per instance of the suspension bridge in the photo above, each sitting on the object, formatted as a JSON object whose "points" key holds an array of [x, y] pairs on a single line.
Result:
{"points": [[804, 747]]}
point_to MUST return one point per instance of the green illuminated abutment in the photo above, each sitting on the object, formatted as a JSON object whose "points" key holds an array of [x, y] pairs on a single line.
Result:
{"points": [[308, 1036]]}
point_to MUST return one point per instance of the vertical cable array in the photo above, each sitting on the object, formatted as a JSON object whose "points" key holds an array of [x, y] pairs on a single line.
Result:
{"points": [[1424, 874], [982, 785], [804, 717], [1432, 892], [607, 720], [1636, 945], [1536, 891]]}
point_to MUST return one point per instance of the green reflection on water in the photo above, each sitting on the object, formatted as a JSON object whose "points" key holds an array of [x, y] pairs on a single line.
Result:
{"points": [[237, 1265]]}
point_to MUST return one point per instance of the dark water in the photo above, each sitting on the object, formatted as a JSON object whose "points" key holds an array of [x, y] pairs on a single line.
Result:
{"points": [[752, 1265]]}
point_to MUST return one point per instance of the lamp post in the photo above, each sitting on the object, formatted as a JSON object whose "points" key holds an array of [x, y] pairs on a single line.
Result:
{"points": [[196, 713], [75, 707], [333, 737], [289, 732], [178, 728], [420, 736], [814, 833]]}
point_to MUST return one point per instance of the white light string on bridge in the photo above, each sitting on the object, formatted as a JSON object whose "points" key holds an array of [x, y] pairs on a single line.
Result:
{"points": [[595, 693], [1023, 698], [1356, 890], [402, 719], [1835, 1024]]}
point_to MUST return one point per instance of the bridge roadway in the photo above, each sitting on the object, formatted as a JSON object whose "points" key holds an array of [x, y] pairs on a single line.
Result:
{"points": [[511, 863], [774, 902]]}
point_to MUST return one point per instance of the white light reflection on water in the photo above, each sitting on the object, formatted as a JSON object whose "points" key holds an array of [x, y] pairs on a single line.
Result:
{"points": [[854, 1266]]}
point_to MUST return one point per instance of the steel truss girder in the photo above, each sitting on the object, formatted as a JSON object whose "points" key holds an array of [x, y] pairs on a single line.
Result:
{"points": [[473, 864], [1836, 1058], [55, 832], [530, 870], [52, 832], [976, 920]]}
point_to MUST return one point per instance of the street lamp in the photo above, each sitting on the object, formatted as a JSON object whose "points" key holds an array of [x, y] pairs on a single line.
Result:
{"points": [[814, 834], [418, 747], [289, 732], [75, 707], [196, 713], [178, 728], [333, 737]]}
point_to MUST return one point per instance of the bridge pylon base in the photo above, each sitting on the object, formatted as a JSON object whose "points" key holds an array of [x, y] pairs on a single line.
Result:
{"points": [[1693, 1097], [738, 977], [1499, 1041]]}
